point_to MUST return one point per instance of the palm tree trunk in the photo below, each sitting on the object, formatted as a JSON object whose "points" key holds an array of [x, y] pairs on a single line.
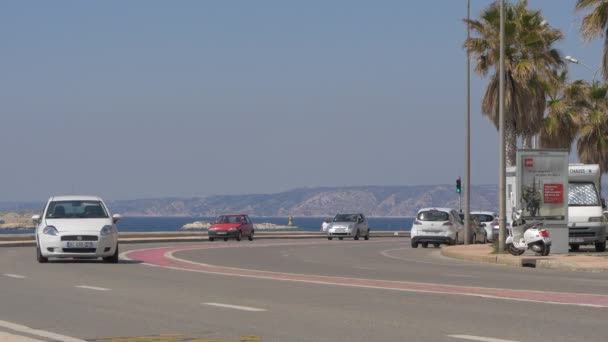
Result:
{"points": [[510, 142], [528, 141]]}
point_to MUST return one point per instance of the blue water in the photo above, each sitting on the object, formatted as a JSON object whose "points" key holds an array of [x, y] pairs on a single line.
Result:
{"points": [[167, 224]]}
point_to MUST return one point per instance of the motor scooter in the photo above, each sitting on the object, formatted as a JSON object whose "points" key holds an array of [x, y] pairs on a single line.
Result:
{"points": [[524, 236]]}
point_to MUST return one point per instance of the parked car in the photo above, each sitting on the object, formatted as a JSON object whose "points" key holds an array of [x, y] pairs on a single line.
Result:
{"points": [[348, 225], [477, 233], [234, 226], [488, 220], [436, 226], [76, 227]]}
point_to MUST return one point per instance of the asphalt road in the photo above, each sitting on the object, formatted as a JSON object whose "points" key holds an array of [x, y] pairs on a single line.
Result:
{"points": [[287, 290]]}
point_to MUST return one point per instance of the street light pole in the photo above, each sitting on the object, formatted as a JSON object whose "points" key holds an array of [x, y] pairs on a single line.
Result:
{"points": [[576, 61], [467, 164], [501, 132]]}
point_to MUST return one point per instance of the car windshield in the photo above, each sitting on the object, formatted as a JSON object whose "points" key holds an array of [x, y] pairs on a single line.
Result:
{"points": [[75, 209], [433, 215], [229, 219], [582, 195], [346, 218]]}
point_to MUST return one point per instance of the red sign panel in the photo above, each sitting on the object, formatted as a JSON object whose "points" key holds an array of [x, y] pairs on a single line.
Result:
{"points": [[529, 162], [554, 193]]}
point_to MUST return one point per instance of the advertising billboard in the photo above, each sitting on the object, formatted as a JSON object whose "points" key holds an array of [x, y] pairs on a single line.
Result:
{"points": [[543, 185]]}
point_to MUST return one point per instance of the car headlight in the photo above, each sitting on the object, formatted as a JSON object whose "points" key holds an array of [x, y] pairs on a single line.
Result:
{"points": [[106, 230], [232, 229], [351, 226], [50, 230], [596, 219]]}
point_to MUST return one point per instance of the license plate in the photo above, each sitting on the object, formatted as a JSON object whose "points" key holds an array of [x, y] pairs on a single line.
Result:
{"points": [[221, 233], [577, 240], [80, 244]]}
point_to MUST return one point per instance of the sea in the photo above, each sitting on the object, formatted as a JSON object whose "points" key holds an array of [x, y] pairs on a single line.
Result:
{"points": [[172, 224]]}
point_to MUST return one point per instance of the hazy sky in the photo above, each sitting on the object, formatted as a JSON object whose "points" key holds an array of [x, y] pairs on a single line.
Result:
{"points": [[132, 99]]}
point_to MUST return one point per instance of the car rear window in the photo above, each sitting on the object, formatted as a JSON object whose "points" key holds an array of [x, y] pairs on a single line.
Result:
{"points": [[485, 218], [433, 215]]}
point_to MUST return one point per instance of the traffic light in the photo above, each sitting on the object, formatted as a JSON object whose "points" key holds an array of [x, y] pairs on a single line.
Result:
{"points": [[458, 185]]}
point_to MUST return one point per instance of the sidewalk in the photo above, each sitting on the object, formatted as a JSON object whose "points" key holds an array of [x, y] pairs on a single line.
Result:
{"points": [[569, 262]]}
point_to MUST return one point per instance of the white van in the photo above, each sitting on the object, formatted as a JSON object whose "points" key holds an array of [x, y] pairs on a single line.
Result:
{"points": [[586, 221]]}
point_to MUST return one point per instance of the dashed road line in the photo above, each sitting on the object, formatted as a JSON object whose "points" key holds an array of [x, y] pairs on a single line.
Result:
{"points": [[364, 268], [37, 332], [237, 307], [92, 288], [10, 275], [479, 338]]}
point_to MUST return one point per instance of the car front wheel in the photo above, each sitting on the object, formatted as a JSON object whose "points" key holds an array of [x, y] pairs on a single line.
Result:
{"points": [[414, 244], [39, 256], [112, 259]]}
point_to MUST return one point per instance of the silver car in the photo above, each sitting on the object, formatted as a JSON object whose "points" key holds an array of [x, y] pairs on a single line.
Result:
{"points": [[348, 225]]}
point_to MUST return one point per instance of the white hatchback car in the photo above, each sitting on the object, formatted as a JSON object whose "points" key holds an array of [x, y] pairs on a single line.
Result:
{"points": [[436, 226], [76, 227]]}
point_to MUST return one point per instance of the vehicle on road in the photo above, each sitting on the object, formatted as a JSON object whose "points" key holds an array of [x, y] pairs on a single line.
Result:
{"points": [[436, 226], [76, 227], [348, 225], [233, 226], [477, 233], [488, 220], [586, 221]]}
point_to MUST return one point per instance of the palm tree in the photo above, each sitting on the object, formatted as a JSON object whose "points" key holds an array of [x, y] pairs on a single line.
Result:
{"points": [[566, 105], [592, 146], [595, 25], [530, 62]]}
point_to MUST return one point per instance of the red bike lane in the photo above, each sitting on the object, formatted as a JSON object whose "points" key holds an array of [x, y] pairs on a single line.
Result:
{"points": [[163, 257]]}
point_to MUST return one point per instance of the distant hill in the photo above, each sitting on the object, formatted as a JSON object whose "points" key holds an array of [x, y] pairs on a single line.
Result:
{"points": [[324, 201], [319, 202]]}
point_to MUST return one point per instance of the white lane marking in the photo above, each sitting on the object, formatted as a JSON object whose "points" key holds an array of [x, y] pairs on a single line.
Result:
{"points": [[145, 263], [92, 288], [387, 251], [14, 275], [480, 338], [16, 338], [364, 268], [36, 332], [461, 276], [237, 307]]}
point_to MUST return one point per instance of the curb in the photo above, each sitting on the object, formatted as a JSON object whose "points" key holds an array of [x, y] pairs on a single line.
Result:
{"points": [[522, 261], [133, 238]]}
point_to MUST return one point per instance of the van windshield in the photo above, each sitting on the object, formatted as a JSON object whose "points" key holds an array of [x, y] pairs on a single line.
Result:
{"points": [[582, 195], [433, 215]]}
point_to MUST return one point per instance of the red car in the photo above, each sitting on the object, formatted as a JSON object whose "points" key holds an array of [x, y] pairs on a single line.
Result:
{"points": [[234, 226]]}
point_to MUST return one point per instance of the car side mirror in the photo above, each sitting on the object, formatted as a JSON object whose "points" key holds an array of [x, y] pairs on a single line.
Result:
{"points": [[36, 218], [116, 218]]}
